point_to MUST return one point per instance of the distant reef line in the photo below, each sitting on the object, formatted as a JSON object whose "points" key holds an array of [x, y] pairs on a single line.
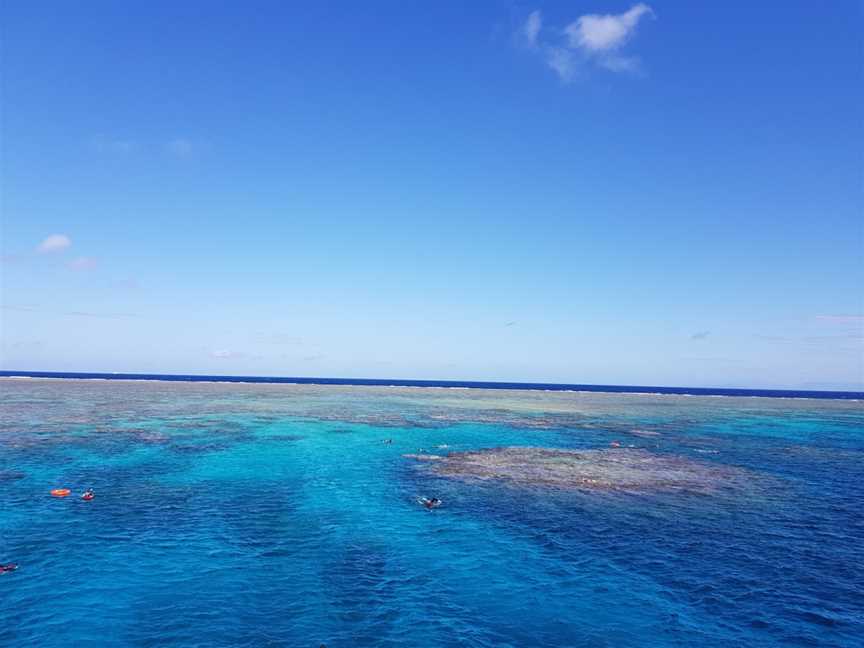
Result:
{"points": [[448, 384]]}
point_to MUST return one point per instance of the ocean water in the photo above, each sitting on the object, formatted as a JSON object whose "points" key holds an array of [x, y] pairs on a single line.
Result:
{"points": [[232, 514]]}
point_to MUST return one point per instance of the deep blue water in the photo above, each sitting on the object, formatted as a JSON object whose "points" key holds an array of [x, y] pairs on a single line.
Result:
{"points": [[238, 514], [395, 382]]}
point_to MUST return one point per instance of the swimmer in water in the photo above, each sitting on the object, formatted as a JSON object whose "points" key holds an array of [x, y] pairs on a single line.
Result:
{"points": [[430, 502], [10, 567], [88, 495]]}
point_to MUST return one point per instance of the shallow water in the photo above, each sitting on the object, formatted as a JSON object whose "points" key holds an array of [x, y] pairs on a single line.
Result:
{"points": [[270, 514]]}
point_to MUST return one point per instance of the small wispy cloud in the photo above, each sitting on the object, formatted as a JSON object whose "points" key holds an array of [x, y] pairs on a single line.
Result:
{"points": [[592, 39], [226, 354], [834, 338], [100, 315], [125, 285], [27, 344], [54, 243], [615, 63], [280, 338], [83, 263], [105, 144], [700, 335], [180, 147], [532, 28], [563, 62], [841, 319], [31, 308]]}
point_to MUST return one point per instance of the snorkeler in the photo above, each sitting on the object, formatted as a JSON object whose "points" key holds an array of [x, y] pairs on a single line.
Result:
{"points": [[10, 567], [88, 495]]}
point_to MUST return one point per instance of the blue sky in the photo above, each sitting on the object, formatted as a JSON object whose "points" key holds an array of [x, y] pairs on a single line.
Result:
{"points": [[666, 193]]}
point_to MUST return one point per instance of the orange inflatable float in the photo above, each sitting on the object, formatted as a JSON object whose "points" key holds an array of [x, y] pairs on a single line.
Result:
{"points": [[60, 492]]}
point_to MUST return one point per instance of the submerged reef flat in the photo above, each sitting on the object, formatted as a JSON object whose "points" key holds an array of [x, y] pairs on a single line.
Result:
{"points": [[613, 469], [62, 406]]}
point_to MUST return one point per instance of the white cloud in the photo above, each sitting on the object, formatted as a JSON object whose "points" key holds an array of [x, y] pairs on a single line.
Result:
{"points": [[591, 40], [532, 27], [180, 147], [54, 243], [83, 263], [603, 33]]}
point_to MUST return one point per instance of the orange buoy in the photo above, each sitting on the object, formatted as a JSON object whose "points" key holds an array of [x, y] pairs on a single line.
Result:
{"points": [[60, 492]]}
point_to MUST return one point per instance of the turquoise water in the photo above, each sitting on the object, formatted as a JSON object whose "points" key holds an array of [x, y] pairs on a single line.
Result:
{"points": [[250, 515]]}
